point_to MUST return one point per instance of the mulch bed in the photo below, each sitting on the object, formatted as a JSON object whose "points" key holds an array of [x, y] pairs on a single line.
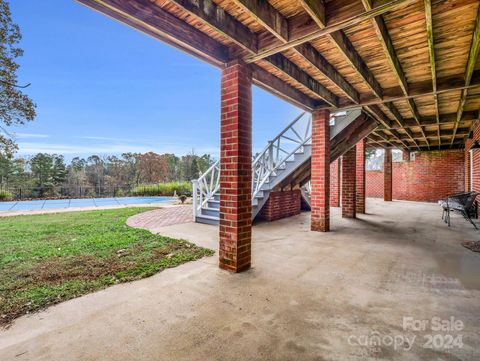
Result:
{"points": [[472, 245]]}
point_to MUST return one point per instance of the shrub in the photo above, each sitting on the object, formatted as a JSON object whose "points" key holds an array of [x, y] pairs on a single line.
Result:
{"points": [[5, 195], [162, 189]]}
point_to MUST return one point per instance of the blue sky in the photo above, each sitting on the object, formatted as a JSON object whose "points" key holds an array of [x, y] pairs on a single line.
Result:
{"points": [[102, 87]]}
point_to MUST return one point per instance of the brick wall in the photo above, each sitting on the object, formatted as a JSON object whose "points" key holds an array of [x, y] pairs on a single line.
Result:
{"points": [[281, 205], [475, 161], [429, 177]]}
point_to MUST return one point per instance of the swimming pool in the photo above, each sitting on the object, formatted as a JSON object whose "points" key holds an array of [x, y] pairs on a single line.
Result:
{"points": [[80, 202]]}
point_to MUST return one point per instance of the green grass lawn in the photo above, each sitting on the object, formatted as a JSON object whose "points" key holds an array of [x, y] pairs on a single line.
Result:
{"points": [[50, 258]]}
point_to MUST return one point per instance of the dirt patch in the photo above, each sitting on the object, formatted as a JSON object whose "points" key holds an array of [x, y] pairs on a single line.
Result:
{"points": [[84, 267]]}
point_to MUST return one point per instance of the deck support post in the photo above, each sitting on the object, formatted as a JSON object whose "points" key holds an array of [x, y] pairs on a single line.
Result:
{"points": [[320, 171], [336, 185], [387, 175], [349, 170], [360, 181], [236, 168]]}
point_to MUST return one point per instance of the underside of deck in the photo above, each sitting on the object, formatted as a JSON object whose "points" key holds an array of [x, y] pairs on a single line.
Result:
{"points": [[412, 64]]}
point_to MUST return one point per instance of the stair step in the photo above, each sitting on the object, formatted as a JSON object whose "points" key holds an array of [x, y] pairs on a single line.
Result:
{"points": [[207, 219], [213, 204], [213, 212]]}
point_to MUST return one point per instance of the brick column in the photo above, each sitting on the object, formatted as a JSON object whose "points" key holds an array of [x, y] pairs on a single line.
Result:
{"points": [[360, 181], [468, 144], [236, 168], [349, 173], [320, 173], [406, 156], [335, 185], [387, 175]]}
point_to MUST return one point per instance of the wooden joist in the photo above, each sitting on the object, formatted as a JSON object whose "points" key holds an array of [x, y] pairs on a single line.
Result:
{"points": [[213, 15], [323, 66], [445, 119], [328, 29], [293, 71], [154, 21], [417, 90], [271, 83], [268, 16], [389, 51], [377, 114], [431, 53], [472, 59]]}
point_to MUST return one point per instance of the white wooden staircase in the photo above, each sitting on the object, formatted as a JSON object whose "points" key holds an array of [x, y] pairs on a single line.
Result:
{"points": [[282, 156]]}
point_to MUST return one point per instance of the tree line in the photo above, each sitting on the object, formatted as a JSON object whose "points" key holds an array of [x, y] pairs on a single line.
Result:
{"points": [[49, 173]]}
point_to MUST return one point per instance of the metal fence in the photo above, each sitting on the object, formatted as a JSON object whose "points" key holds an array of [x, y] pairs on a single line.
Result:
{"points": [[24, 193]]}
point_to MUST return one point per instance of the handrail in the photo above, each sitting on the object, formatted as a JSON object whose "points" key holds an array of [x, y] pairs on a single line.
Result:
{"points": [[280, 134]]}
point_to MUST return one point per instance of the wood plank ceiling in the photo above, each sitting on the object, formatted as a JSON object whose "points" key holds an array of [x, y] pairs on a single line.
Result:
{"points": [[413, 65]]}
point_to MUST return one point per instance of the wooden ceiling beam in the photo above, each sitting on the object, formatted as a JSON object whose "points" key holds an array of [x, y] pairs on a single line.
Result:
{"points": [[161, 25], [445, 119], [431, 52], [316, 10], [381, 118], [416, 115], [271, 83], [372, 141], [282, 64], [417, 90], [343, 44], [398, 117], [386, 140], [391, 55], [214, 16], [315, 59], [221, 21], [268, 16], [472, 59], [330, 28]]}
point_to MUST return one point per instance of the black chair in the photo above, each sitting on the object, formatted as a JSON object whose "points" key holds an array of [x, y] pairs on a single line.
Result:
{"points": [[461, 202]]}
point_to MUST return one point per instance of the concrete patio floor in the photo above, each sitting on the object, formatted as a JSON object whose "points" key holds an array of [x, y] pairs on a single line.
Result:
{"points": [[309, 296]]}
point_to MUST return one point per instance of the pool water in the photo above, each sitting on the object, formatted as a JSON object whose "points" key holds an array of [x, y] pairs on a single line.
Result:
{"points": [[81, 202]]}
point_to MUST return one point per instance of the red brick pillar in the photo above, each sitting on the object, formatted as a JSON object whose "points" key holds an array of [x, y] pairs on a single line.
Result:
{"points": [[349, 174], [360, 181], [236, 168], [320, 173], [335, 185], [387, 175], [406, 156], [468, 144]]}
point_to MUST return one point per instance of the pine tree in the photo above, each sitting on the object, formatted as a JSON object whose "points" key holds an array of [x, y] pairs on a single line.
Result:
{"points": [[15, 106]]}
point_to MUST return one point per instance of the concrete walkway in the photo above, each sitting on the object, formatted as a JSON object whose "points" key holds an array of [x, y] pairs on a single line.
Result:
{"points": [[309, 296]]}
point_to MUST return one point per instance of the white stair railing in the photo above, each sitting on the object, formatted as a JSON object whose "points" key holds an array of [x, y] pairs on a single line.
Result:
{"points": [[205, 187], [282, 148]]}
